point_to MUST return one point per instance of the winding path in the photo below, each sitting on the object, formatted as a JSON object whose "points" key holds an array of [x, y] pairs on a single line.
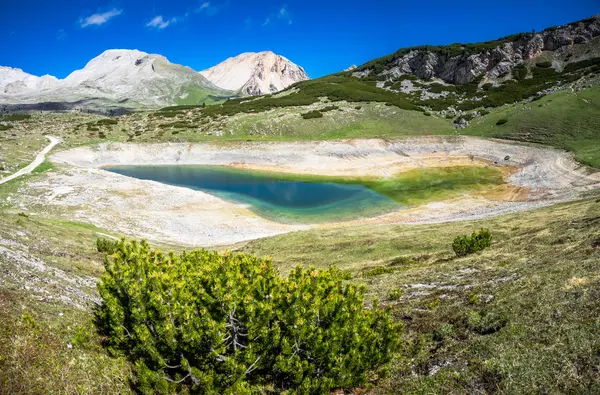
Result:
{"points": [[36, 162]]}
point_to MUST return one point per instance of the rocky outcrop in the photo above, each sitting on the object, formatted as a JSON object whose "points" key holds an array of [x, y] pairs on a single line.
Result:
{"points": [[511, 51], [253, 74]]}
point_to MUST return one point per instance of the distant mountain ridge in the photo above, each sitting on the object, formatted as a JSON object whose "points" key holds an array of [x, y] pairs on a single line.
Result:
{"points": [[133, 78], [253, 74]]}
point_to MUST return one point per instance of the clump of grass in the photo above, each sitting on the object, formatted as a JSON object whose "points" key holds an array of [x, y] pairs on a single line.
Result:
{"points": [[502, 121], [376, 271]]}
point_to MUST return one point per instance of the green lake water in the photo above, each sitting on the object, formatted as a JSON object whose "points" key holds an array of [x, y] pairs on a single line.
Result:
{"points": [[277, 197]]}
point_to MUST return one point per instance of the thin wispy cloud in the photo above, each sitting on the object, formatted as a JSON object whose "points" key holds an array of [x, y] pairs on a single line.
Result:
{"points": [[208, 8], [282, 15], [100, 18], [61, 34], [159, 23]]}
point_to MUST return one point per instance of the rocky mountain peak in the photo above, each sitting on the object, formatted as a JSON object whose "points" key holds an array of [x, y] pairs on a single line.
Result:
{"points": [[255, 73]]}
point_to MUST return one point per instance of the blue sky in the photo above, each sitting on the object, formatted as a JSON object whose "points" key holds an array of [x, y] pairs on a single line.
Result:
{"points": [[326, 36]]}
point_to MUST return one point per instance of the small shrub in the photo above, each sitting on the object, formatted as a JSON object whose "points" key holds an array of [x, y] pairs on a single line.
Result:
{"points": [[209, 323], [478, 241], [396, 294], [427, 113], [502, 121], [6, 127], [544, 65], [312, 115], [106, 246], [473, 298], [107, 122], [329, 108], [433, 304]]}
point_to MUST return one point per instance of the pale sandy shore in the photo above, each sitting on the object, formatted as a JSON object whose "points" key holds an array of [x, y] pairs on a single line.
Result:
{"points": [[82, 190]]}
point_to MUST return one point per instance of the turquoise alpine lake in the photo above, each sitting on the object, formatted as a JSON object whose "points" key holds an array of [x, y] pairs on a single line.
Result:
{"points": [[273, 196]]}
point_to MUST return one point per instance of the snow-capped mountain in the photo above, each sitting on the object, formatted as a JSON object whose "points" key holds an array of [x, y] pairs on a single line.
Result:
{"points": [[132, 78], [254, 73], [128, 77], [17, 81]]}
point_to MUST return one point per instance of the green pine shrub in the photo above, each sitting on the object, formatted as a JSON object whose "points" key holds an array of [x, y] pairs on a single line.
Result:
{"points": [[312, 114], [502, 121], [106, 246], [465, 245], [209, 323]]}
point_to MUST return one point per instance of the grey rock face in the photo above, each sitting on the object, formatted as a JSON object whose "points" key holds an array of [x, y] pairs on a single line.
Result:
{"points": [[463, 69]]}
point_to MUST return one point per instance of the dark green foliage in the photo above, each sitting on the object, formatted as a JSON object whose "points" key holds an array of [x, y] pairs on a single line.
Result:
{"points": [[106, 245], [6, 127], [468, 117], [571, 67], [329, 108], [520, 72], [545, 64], [312, 114], [210, 323], [465, 245], [502, 121], [107, 122], [177, 125], [15, 117], [335, 87], [487, 87]]}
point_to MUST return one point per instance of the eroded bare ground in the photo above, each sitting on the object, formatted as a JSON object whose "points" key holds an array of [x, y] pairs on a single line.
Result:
{"points": [[80, 189]]}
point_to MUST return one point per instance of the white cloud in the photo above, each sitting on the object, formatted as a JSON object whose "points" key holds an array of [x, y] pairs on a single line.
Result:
{"points": [[203, 6], [283, 15], [99, 19], [209, 8], [159, 23]]}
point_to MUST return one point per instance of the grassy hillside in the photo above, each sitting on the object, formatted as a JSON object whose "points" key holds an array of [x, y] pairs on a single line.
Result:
{"points": [[520, 317], [568, 120]]}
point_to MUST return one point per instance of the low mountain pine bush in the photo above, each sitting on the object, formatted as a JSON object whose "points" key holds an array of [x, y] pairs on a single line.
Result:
{"points": [[465, 245], [210, 323]]}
